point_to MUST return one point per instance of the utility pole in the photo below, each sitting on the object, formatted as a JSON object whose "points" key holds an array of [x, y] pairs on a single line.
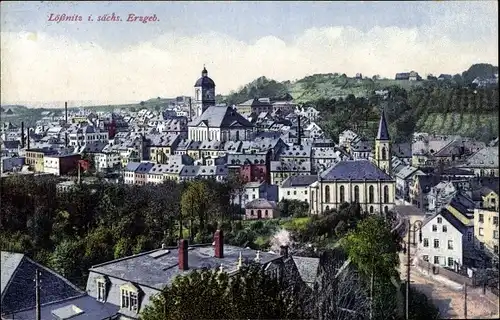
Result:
{"points": [[408, 271], [465, 300], [37, 295]]}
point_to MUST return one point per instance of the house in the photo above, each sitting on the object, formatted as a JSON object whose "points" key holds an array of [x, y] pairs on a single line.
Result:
{"points": [[129, 172], [486, 232], [346, 137], [257, 105], [129, 283], [445, 240], [11, 164], [313, 131], [358, 181], [360, 148], [323, 157], [261, 209], [403, 179], [60, 164], [59, 298], [280, 170], [312, 114], [297, 188], [484, 163], [220, 123], [162, 146], [35, 157]]}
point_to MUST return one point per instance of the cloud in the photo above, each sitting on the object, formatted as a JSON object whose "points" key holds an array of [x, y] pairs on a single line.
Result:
{"points": [[43, 67]]}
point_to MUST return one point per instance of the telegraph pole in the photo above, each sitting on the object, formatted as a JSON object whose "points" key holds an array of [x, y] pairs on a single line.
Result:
{"points": [[408, 270], [37, 294], [465, 300]]}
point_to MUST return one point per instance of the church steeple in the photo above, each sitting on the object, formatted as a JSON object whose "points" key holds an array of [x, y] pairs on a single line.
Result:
{"points": [[383, 146], [383, 132]]}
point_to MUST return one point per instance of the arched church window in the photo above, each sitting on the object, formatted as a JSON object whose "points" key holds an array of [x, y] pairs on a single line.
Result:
{"points": [[384, 156], [327, 194], [198, 94]]}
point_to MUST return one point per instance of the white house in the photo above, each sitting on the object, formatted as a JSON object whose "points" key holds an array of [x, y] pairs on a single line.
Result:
{"points": [[445, 239], [346, 137], [313, 131], [297, 188]]}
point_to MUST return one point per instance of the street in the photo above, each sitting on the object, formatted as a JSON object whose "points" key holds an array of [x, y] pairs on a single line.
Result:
{"points": [[449, 296]]}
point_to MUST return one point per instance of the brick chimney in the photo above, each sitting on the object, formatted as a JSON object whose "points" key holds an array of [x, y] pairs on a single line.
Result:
{"points": [[219, 244], [284, 251], [183, 254]]}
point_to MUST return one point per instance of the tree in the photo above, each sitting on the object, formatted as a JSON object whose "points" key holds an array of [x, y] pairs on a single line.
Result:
{"points": [[372, 249], [250, 294], [196, 202], [142, 103]]}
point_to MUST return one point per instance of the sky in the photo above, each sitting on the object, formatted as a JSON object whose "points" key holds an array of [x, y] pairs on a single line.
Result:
{"points": [[112, 62]]}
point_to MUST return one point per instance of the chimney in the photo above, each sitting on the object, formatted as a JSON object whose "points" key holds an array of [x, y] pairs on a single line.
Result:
{"points": [[183, 254], [22, 134], [219, 244], [190, 110], [66, 112], [284, 251], [298, 131], [28, 129]]}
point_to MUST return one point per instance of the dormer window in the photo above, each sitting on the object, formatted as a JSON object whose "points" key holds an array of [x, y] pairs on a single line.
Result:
{"points": [[102, 285], [129, 297]]}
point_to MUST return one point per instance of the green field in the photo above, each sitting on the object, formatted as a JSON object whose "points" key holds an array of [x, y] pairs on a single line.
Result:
{"points": [[466, 124]]}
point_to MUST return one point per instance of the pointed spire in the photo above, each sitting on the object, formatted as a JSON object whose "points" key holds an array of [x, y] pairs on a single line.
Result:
{"points": [[383, 132], [204, 72]]}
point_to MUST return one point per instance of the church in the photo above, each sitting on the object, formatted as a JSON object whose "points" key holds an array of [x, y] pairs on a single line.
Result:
{"points": [[367, 182], [215, 123]]}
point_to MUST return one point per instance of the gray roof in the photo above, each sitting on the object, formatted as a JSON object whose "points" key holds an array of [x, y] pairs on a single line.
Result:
{"points": [[405, 172], [296, 151], [401, 150], [308, 269], [92, 310], [18, 287], [216, 117], [299, 181], [291, 166], [193, 171], [484, 158], [132, 166], [261, 204], [242, 159], [355, 170], [144, 269]]}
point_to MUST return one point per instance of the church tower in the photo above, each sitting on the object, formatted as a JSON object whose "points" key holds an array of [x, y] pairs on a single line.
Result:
{"points": [[383, 146], [204, 93]]}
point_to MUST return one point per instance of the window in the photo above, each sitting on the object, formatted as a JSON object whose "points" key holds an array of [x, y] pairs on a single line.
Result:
{"points": [[445, 228], [495, 220], [481, 217], [327, 194], [425, 257], [481, 245], [356, 194], [481, 231], [469, 236], [495, 234], [251, 212], [434, 227], [495, 249], [450, 244], [436, 243], [386, 194], [295, 193], [101, 290], [125, 299], [371, 209], [288, 193], [450, 262], [436, 260], [370, 194], [305, 192], [342, 196], [426, 242]]}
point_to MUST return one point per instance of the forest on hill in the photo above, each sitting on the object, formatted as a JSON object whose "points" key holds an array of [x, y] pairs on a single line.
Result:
{"points": [[441, 107]]}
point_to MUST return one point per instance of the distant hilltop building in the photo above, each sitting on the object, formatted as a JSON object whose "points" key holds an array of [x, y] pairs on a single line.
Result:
{"points": [[411, 76]]}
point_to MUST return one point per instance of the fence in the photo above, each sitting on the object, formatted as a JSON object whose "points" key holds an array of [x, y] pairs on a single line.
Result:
{"points": [[450, 274]]}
